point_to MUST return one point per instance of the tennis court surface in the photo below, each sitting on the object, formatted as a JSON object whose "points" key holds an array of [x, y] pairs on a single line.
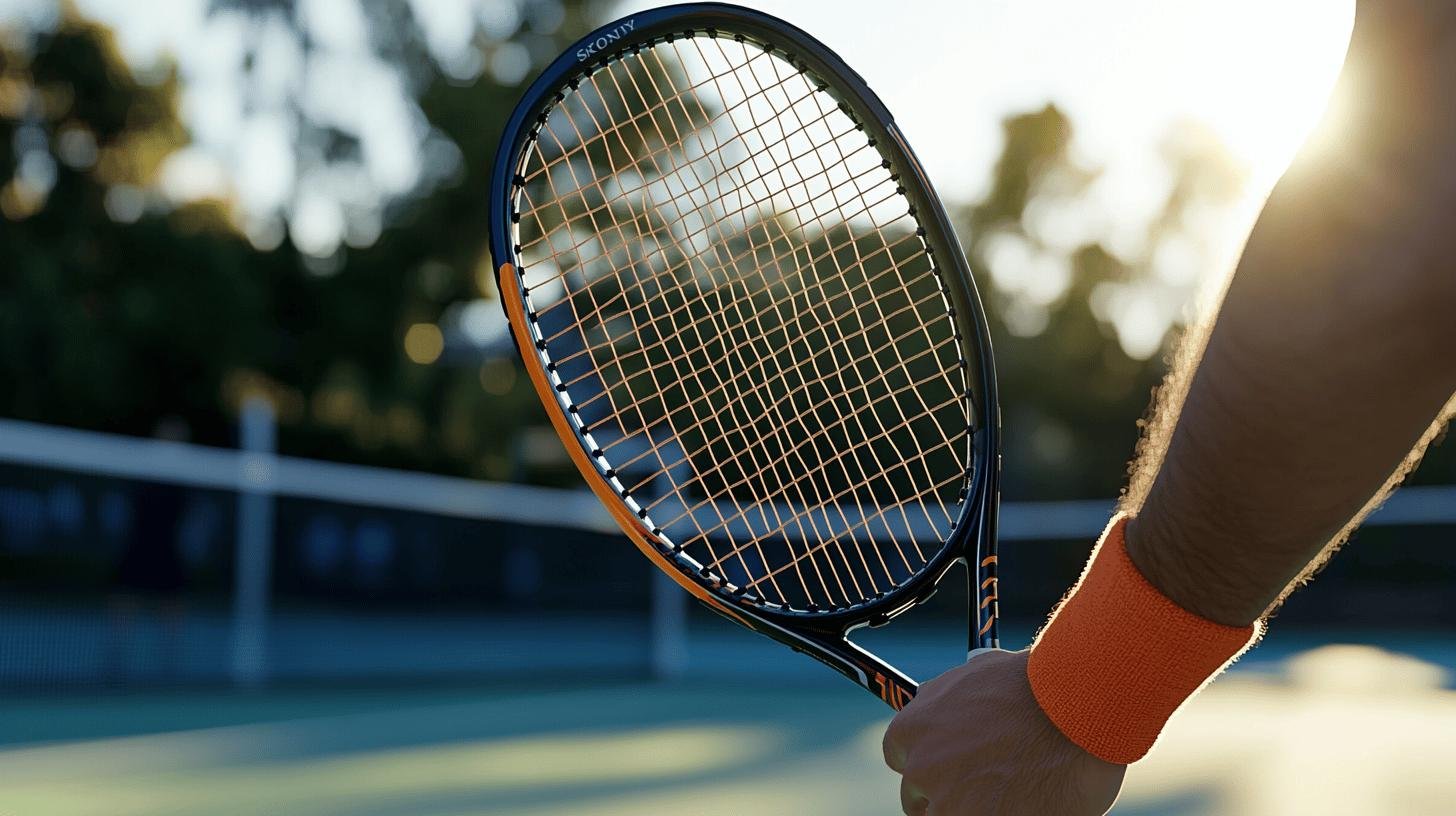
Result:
{"points": [[1347, 729]]}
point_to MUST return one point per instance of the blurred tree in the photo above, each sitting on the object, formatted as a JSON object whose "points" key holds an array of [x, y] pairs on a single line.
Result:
{"points": [[1063, 321], [120, 307], [1070, 391], [114, 311], [354, 326]]}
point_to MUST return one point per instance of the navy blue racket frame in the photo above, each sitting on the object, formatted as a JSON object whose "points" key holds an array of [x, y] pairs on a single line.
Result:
{"points": [[822, 634]]}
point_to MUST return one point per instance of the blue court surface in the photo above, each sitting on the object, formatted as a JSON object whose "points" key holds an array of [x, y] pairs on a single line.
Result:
{"points": [[1301, 729]]}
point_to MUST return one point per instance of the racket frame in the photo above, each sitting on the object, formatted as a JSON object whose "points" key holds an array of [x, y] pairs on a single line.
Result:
{"points": [[823, 634]]}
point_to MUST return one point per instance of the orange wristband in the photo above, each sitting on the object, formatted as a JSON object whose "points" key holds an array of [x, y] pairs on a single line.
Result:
{"points": [[1118, 657]]}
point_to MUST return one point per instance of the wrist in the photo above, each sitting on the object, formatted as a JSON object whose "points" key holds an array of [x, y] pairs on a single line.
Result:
{"points": [[1118, 657], [1222, 593]]}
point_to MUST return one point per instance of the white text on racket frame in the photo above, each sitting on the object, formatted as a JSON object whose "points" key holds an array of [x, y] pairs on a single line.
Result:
{"points": [[605, 40]]}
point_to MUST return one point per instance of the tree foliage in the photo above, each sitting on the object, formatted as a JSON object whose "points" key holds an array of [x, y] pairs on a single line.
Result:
{"points": [[120, 308]]}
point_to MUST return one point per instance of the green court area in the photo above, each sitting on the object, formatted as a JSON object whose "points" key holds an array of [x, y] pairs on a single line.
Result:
{"points": [[1337, 730]]}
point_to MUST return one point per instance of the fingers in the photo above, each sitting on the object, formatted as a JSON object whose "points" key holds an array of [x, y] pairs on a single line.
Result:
{"points": [[893, 748], [912, 801], [901, 735], [899, 740], [922, 726], [908, 725], [904, 732], [975, 741]]}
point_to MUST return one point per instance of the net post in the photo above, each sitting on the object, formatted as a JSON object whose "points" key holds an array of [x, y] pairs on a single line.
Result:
{"points": [[669, 654], [669, 645], [253, 565]]}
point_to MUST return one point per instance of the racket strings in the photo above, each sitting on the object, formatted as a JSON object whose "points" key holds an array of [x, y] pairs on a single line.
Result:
{"points": [[863, 357], [866, 438], [715, 464], [597, 309], [864, 444], [862, 561], [800, 462], [708, 395], [856, 587], [752, 328], [666, 148], [759, 468], [795, 450], [750, 293], [762, 363], [740, 212]]}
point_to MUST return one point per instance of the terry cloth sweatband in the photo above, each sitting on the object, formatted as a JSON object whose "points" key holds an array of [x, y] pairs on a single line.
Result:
{"points": [[1118, 657]]}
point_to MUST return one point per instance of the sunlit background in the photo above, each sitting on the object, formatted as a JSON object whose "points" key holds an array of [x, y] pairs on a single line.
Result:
{"points": [[283, 529]]}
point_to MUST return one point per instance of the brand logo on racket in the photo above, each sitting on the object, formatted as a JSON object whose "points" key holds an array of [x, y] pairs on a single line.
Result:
{"points": [[606, 39]]}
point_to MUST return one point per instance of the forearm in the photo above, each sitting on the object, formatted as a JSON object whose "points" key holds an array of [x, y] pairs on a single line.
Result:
{"points": [[1320, 379], [1329, 361], [1283, 439]]}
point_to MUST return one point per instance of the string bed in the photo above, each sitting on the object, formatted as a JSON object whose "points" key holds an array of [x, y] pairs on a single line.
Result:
{"points": [[735, 300]]}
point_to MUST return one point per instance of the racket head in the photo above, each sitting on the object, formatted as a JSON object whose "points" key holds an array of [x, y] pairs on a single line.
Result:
{"points": [[538, 134]]}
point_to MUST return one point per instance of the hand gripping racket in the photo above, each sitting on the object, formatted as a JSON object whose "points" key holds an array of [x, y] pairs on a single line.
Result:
{"points": [[751, 323]]}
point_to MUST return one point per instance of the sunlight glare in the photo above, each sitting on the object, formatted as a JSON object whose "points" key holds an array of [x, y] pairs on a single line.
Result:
{"points": [[1264, 98]]}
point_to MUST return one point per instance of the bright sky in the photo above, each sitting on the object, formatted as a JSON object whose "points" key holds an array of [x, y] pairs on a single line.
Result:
{"points": [[1255, 72]]}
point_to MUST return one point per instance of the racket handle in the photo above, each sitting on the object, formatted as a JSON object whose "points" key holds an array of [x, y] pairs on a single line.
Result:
{"points": [[894, 688], [880, 678]]}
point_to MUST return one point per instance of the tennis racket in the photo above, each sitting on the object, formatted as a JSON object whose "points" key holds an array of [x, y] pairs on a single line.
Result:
{"points": [[751, 323]]}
